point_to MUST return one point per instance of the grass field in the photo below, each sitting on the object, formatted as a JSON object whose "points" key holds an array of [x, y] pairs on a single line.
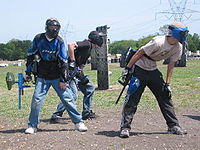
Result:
{"points": [[185, 86]]}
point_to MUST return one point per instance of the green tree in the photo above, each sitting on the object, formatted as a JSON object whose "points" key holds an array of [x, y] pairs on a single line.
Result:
{"points": [[119, 47], [163, 30], [193, 42], [14, 49]]}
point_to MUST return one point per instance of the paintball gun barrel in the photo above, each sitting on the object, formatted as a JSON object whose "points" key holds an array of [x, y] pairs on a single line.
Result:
{"points": [[124, 83]]}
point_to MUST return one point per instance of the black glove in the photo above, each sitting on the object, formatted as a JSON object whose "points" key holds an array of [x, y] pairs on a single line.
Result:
{"points": [[83, 80], [64, 72], [72, 65], [126, 75], [167, 90], [28, 78]]}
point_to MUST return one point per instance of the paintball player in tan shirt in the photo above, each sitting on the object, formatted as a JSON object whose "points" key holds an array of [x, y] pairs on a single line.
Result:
{"points": [[145, 69]]}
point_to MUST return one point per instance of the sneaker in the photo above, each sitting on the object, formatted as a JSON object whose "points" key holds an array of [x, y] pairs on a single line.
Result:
{"points": [[90, 115], [85, 116], [124, 133], [81, 127], [176, 130], [30, 130], [56, 116]]}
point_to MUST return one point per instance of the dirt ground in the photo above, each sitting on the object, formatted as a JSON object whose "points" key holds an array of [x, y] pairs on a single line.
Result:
{"points": [[148, 133]]}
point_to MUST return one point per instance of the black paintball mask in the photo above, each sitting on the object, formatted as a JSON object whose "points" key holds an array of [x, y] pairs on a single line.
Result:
{"points": [[95, 38], [52, 28]]}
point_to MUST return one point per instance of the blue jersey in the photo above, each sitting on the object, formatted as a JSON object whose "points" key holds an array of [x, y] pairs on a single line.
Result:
{"points": [[53, 55]]}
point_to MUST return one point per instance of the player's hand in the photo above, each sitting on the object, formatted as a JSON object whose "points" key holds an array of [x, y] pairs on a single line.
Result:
{"points": [[28, 78], [167, 90], [62, 85], [72, 65]]}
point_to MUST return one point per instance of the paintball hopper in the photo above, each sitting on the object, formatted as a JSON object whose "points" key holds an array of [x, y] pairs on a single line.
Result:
{"points": [[10, 80], [133, 85]]}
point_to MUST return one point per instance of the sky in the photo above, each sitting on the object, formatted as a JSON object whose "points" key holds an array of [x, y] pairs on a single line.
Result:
{"points": [[126, 19]]}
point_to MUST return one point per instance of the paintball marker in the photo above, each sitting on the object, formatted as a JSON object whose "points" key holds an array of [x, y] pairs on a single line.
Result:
{"points": [[10, 80], [79, 75], [133, 82], [73, 73], [123, 82]]}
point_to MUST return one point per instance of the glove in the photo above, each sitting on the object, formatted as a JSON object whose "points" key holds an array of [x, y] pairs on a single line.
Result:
{"points": [[72, 65], [167, 90], [83, 80], [126, 71], [126, 74], [64, 72], [28, 78]]}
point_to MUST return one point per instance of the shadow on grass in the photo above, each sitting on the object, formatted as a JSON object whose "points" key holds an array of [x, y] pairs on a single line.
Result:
{"points": [[13, 131], [116, 133], [56, 121], [193, 117]]}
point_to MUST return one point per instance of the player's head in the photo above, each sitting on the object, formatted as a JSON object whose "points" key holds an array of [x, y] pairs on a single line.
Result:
{"points": [[52, 27], [95, 38], [179, 31]]}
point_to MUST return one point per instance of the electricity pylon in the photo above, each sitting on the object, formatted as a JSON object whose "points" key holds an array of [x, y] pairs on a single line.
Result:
{"points": [[179, 12]]}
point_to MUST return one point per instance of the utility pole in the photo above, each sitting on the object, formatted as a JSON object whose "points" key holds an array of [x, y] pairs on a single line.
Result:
{"points": [[102, 61], [178, 12]]}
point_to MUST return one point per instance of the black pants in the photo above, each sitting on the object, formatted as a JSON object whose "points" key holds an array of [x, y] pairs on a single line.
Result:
{"points": [[154, 81]]}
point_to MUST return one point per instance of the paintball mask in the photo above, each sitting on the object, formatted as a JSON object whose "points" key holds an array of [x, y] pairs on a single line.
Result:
{"points": [[179, 33], [95, 38], [52, 27]]}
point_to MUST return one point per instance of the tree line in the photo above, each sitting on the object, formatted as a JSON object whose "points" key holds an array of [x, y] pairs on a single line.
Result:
{"points": [[16, 49], [119, 47]]}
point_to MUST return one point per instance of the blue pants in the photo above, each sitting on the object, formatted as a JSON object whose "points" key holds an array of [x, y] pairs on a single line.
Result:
{"points": [[88, 91], [67, 97]]}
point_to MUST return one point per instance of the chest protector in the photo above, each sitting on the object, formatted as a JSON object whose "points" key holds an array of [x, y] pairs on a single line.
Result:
{"points": [[48, 66], [82, 52]]}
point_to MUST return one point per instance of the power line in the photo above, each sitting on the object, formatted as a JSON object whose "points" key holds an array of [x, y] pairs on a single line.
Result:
{"points": [[131, 17], [178, 10], [65, 32]]}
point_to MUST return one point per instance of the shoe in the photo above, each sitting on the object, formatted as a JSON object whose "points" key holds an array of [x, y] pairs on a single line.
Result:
{"points": [[176, 130], [85, 116], [90, 115], [56, 116], [81, 127], [30, 130], [124, 133]]}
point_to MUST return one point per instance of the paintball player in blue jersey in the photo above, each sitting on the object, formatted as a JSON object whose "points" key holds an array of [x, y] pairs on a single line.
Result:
{"points": [[51, 70], [79, 52]]}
